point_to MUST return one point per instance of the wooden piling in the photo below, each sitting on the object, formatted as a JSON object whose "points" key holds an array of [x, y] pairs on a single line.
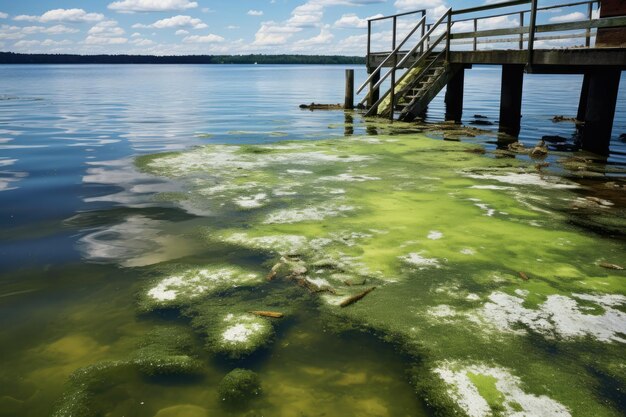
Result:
{"points": [[454, 97], [600, 112], [349, 98], [511, 98], [374, 92], [582, 102]]}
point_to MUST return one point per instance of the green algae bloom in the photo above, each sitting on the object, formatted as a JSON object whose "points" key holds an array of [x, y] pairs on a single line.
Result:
{"points": [[481, 272]]}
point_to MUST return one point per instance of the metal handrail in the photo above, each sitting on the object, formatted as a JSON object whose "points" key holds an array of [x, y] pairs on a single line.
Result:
{"points": [[526, 11], [415, 64], [403, 60], [419, 61], [423, 11], [392, 54]]}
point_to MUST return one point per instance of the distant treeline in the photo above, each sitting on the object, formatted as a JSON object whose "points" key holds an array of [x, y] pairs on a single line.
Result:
{"points": [[14, 58]]}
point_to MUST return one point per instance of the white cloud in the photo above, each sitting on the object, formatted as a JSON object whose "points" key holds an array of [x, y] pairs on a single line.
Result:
{"points": [[63, 15], [408, 5], [210, 38], [272, 33], [131, 6], [3, 15], [36, 46], [59, 29], [307, 15], [324, 38], [570, 17], [255, 13], [232, 27], [106, 28], [180, 32], [175, 22], [106, 33], [351, 20], [142, 42], [103, 40]]}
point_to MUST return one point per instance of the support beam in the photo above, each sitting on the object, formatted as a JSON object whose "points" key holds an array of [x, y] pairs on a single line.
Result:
{"points": [[374, 94], [454, 97], [511, 99], [600, 111]]}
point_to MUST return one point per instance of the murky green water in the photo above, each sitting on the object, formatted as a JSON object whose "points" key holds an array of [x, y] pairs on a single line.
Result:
{"points": [[415, 276]]}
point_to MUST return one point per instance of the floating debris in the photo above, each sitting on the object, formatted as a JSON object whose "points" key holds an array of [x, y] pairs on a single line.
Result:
{"points": [[611, 266], [558, 119], [540, 151], [351, 300], [523, 276], [271, 314], [318, 106]]}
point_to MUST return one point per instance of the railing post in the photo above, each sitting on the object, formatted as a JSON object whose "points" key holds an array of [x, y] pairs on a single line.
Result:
{"points": [[475, 38], [521, 35], [369, 48], [588, 31], [448, 36], [394, 62], [531, 33], [423, 32]]}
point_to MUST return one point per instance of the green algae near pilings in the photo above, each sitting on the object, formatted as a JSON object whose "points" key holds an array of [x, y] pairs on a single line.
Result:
{"points": [[443, 234]]}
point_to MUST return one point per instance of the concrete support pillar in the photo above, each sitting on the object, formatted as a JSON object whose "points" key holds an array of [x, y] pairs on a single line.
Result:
{"points": [[511, 98], [582, 103], [600, 110], [454, 97], [374, 94]]}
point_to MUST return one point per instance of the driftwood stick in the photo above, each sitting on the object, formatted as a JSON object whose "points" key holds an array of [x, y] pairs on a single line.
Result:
{"points": [[355, 298], [611, 266], [272, 314]]}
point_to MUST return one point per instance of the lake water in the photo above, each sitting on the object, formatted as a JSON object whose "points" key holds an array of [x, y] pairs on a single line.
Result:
{"points": [[83, 228]]}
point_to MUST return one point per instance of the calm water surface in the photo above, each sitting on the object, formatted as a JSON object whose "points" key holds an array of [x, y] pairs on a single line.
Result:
{"points": [[68, 136]]}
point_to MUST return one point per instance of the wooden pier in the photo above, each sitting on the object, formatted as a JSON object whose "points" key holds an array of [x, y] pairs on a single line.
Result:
{"points": [[435, 55]]}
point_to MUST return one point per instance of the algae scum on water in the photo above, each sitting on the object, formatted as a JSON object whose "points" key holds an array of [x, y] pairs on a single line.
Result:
{"points": [[499, 306]]}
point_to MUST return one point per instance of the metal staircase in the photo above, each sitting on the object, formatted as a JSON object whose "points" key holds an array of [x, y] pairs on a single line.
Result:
{"points": [[409, 95]]}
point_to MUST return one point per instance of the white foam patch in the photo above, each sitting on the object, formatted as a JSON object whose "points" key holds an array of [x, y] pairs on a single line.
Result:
{"points": [[488, 210], [241, 328], [345, 177], [435, 235], [558, 316], [306, 214], [420, 261], [282, 244], [249, 202], [222, 188], [463, 391], [299, 171], [318, 282], [229, 158], [491, 187], [193, 283], [441, 311], [525, 179]]}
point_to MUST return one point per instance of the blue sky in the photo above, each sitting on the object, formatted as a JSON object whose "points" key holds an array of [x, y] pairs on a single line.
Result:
{"points": [[175, 27]]}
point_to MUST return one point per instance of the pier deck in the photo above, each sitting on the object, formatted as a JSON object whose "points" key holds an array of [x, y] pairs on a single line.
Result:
{"points": [[435, 55]]}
